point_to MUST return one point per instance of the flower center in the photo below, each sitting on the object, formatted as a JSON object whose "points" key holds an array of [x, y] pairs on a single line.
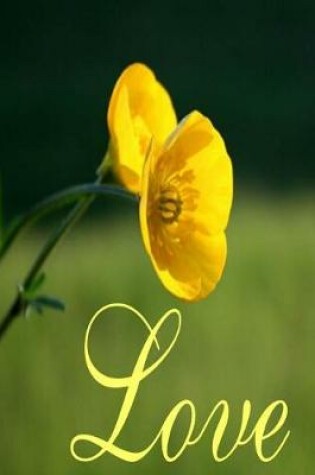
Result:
{"points": [[169, 205]]}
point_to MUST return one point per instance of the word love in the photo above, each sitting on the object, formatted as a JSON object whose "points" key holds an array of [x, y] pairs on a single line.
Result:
{"points": [[276, 412]]}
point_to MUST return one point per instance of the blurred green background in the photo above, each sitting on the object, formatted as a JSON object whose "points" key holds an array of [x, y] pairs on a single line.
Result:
{"points": [[249, 66]]}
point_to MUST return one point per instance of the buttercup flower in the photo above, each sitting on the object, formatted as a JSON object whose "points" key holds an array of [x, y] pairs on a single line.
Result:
{"points": [[184, 208], [140, 109]]}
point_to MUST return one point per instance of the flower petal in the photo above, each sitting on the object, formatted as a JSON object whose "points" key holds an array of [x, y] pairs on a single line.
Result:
{"points": [[196, 149], [189, 254], [139, 109], [196, 272]]}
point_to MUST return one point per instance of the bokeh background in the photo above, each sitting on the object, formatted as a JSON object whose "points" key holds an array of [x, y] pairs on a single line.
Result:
{"points": [[249, 66]]}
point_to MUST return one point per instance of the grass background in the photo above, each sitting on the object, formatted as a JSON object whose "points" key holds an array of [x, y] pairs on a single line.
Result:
{"points": [[253, 338]]}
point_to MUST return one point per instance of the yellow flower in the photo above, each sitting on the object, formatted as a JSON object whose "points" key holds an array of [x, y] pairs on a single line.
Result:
{"points": [[140, 109], [187, 190]]}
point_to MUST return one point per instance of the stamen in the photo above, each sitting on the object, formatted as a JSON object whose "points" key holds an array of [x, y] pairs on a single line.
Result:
{"points": [[169, 205]]}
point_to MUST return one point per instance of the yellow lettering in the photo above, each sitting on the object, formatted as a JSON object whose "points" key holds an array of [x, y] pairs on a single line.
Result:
{"points": [[260, 429], [131, 385]]}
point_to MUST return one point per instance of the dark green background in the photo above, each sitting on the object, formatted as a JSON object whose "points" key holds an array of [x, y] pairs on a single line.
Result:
{"points": [[248, 65]]}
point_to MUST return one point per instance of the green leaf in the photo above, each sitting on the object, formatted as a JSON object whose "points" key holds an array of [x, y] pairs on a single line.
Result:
{"points": [[50, 302], [41, 302], [33, 306]]}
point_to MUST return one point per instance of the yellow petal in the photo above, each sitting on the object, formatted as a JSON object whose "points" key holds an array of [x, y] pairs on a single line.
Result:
{"points": [[196, 272], [139, 109], [197, 149], [190, 253]]}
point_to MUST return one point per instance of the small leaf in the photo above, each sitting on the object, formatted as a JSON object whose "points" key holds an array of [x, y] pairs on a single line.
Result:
{"points": [[33, 306], [50, 302]]}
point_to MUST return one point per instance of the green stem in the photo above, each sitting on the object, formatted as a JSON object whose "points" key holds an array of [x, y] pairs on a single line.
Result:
{"points": [[11, 314], [55, 202], [89, 193]]}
